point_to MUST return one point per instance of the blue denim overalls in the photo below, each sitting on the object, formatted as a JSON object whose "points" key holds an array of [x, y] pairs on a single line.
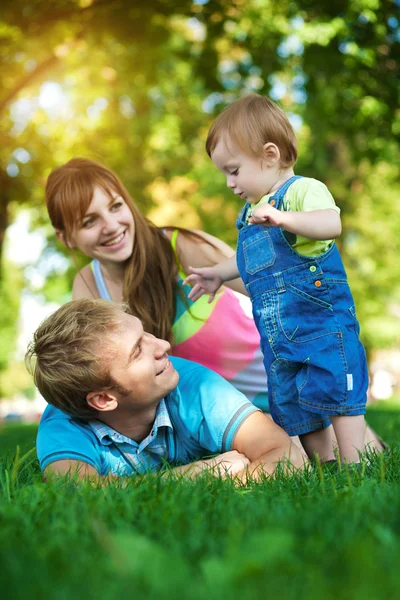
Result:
{"points": [[305, 314]]}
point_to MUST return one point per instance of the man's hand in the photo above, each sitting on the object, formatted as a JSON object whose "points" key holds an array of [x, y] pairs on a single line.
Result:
{"points": [[227, 464], [204, 281], [267, 215]]}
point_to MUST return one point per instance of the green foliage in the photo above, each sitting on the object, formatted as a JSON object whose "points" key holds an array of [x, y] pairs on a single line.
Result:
{"points": [[10, 289], [317, 534], [141, 82]]}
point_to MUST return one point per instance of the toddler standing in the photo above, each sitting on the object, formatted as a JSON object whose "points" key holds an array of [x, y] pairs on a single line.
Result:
{"points": [[293, 272]]}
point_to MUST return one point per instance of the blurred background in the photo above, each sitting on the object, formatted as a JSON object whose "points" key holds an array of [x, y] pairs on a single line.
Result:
{"points": [[136, 84]]}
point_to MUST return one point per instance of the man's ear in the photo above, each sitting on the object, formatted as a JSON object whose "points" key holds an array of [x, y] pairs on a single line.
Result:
{"points": [[271, 154], [102, 401], [63, 239]]}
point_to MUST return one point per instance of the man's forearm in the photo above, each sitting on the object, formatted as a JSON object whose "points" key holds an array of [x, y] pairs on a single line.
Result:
{"points": [[227, 464], [288, 456]]}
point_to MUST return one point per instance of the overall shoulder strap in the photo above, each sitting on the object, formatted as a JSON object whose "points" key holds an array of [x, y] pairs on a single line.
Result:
{"points": [[174, 238], [281, 192]]}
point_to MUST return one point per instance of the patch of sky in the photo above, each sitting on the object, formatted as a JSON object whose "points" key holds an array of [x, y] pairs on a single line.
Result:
{"points": [[344, 47], [393, 22], [246, 61], [49, 262], [297, 22], [227, 66], [12, 169], [34, 278], [299, 96], [396, 35], [21, 113], [22, 246], [200, 2], [255, 71], [299, 79], [53, 100], [94, 110], [197, 28], [156, 96], [295, 120], [240, 35], [230, 78], [363, 18], [292, 45], [253, 83], [22, 155], [278, 90], [34, 309], [52, 261], [126, 107], [232, 82], [210, 102]]}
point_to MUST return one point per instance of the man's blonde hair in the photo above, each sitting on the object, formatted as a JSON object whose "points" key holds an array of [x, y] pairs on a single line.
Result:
{"points": [[70, 354], [251, 122]]}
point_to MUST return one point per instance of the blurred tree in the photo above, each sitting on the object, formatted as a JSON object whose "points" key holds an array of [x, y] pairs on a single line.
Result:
{"points": [[136, 85]]}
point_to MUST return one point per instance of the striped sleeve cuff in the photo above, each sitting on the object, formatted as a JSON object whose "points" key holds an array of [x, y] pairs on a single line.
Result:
{"points": [[235, 422]]}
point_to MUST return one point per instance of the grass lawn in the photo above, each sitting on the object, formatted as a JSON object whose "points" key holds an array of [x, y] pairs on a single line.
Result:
{"points": [[315, 536]]}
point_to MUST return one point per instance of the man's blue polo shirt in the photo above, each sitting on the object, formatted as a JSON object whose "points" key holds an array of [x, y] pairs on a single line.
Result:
{"points": [[200, 417]]}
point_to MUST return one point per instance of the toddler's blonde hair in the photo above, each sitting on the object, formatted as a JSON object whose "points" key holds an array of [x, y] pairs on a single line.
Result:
{"points": [[251, 122]]}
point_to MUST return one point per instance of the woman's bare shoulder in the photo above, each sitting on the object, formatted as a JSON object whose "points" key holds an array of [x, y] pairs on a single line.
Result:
{"points": [[201, 249], [84, 285]]}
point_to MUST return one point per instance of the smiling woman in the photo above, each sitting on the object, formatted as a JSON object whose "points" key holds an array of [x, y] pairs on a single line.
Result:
{"points": [[106, 232]]}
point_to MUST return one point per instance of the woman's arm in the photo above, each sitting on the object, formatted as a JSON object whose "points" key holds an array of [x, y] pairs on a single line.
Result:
{"points": [[204, 250]]}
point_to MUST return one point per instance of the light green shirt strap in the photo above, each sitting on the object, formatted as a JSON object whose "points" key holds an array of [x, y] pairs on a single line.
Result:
{"points": [[304, 195], [174, 239]]}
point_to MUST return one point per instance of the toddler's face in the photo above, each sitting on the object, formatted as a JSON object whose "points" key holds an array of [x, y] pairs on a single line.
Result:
{"points": [[248, 177]]}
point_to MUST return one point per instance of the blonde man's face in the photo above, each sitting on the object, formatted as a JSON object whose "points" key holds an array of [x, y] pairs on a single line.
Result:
{"points": [[141, 365]]}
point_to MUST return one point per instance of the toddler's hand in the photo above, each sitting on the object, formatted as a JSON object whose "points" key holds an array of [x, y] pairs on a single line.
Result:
{"points": [[267, 215], [204, 281]]}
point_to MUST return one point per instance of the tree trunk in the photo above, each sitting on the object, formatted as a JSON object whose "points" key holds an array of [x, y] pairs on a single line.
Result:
{"points": [[5, 189]]}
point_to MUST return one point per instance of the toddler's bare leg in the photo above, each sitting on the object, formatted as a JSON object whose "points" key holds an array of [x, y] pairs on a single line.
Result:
{"points": [[350, 435], [319, 442], [372, 440]]}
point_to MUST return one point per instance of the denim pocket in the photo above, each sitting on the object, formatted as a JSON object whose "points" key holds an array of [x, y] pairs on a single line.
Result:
{"points": [[258, 252], [352, 310], [306, 312]]}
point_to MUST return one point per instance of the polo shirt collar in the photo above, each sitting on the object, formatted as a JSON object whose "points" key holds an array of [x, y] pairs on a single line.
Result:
{"points": [[107, 435]]}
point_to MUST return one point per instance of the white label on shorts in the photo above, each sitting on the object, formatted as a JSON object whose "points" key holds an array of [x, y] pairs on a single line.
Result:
{"points": [[349, 382]]}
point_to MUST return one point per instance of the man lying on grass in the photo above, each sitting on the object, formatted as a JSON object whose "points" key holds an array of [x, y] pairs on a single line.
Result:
{"points": [[116, 408]]}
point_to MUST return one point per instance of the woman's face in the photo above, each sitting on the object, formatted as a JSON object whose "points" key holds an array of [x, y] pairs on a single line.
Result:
{"points": [[107, 230]]}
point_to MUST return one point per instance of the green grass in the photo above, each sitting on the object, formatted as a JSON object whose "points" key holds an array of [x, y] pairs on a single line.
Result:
{"points": [[319, 535]]}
